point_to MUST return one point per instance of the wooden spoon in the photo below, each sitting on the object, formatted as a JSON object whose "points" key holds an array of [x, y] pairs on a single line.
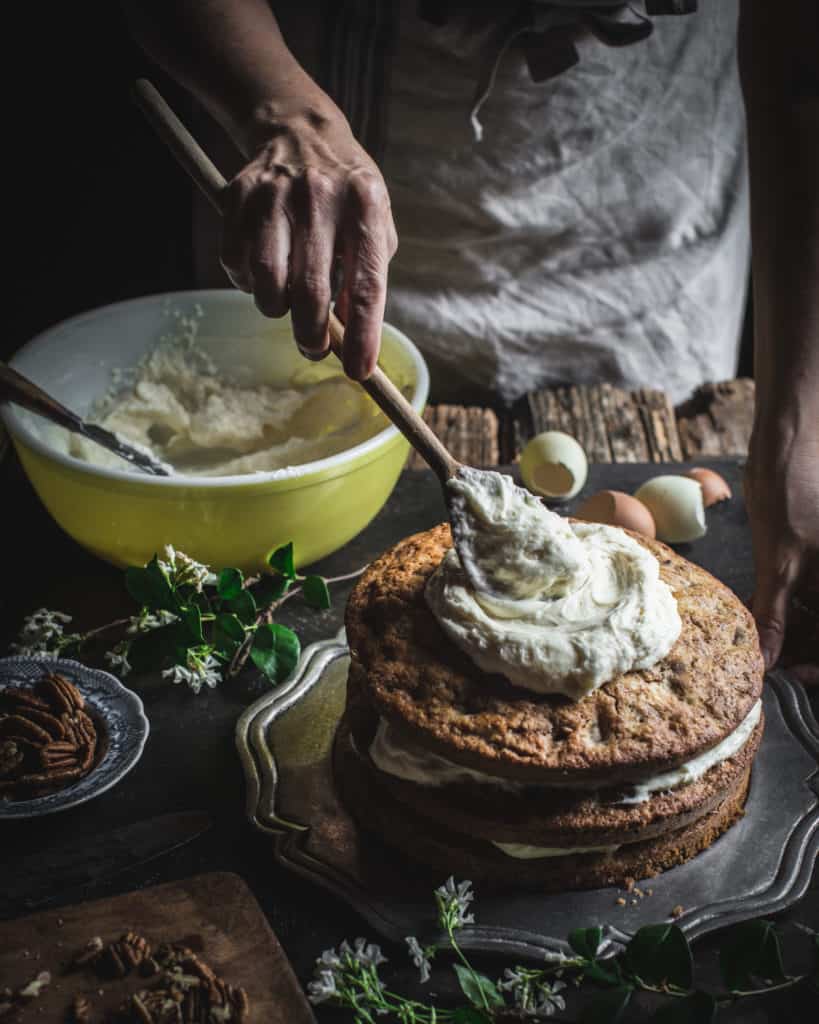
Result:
{"points": [[378, 385], [16, 388]]}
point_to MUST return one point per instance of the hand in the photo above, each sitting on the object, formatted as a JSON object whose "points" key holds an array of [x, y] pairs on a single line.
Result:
{"points": [[311, 193], [782, 492]]}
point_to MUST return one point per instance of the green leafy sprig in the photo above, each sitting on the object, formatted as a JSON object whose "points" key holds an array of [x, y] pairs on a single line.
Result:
{"points": [[193, 625], [657, 960]]}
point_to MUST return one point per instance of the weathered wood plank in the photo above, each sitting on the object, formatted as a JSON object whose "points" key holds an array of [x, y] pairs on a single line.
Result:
{"points": [[660, 425], [612, 424], [470, 433], [717, 419]]}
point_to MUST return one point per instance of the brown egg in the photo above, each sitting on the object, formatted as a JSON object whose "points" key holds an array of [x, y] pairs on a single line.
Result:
{"points": [[617, 509], [714, 488]]}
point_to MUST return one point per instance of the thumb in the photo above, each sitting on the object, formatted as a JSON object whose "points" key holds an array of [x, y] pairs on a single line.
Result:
{"points": [[775, 584]]}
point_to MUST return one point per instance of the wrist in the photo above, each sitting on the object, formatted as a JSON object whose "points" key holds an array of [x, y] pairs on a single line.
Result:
{"points": [[295, 116]]}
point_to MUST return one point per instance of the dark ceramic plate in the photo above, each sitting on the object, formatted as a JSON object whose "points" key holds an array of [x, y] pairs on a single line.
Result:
{"points": [[117, 713], [760, 866]]}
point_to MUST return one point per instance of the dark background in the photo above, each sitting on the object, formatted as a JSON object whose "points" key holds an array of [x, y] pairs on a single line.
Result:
{"points": [[96, 209]]}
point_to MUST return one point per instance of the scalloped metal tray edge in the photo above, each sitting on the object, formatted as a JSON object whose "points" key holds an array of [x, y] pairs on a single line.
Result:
{"points": [[800, 824]]}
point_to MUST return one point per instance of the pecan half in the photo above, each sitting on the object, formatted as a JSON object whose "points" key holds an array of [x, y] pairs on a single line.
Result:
{"points": [[65, 693], [60, 747], [51, 691], [17, 725], [16, 697], [46, 720], [240, 1002], [138, 1010], [86, 726], [111, 963], [53, 764], [80, 1009]]}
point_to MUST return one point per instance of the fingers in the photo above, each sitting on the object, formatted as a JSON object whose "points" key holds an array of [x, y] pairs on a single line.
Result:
{"points": [[777, 576], [278, 242], [237, 232], [368, 244], [256, 240], [314, 211], [270, 257]]}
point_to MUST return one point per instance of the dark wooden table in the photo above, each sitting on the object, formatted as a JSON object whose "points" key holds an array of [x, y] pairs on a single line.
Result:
{"points": [[190, 760]]}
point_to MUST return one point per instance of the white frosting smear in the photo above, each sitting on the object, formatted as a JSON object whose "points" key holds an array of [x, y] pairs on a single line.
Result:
{"points": [[410, 761], [694, 769], [567, 606], [522, 851]]}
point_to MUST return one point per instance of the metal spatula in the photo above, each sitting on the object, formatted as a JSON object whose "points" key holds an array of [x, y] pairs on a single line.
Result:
{"points": [[16, 388]]}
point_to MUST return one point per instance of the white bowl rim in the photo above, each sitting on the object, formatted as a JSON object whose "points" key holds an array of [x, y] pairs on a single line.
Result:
{"points": [[18, 429]]}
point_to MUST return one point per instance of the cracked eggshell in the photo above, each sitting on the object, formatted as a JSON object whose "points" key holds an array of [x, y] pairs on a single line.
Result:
{"points": [[676, 503], [554, 465], [714, 487], [615, 508]]}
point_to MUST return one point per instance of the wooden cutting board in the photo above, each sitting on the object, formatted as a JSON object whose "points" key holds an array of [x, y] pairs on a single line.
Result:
{"points": [[216, 915]]}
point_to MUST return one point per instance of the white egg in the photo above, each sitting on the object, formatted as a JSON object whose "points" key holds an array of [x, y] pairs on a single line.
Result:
{"points": [[554, 465], [676, 504]]}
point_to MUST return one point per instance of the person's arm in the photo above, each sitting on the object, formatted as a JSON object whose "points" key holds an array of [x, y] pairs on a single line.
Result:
{"points": [[779, 66], [308, 193]]}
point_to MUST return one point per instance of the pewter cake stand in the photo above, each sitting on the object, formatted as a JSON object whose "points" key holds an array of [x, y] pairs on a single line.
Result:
{"points": [[760, 866]]}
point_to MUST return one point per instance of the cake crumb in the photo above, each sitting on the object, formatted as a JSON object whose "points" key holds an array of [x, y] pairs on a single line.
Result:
{"points": [[630, 883], [634, 903], [638, 892], [649, 892], [677, 911], [620, 901]]}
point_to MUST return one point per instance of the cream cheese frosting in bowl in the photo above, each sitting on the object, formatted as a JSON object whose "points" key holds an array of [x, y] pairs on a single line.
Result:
{"points": [[567, 607]]}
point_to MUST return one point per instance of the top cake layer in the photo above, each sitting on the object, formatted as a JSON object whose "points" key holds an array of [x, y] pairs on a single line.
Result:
{"points": [[639, 721]]}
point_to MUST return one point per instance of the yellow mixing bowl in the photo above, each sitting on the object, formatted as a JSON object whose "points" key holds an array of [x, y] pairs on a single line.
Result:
{"points": [[126, 517]]}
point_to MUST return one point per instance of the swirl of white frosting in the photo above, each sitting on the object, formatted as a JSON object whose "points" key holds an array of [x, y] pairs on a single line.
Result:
{"points": [[569, 606]]}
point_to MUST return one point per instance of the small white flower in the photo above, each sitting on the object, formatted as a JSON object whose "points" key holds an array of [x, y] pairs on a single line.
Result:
{"points": [[420, 957], [183, 570], [147, 621], [453, 902], [322, 987], [367, 953], [533, 995], [117, 658], [329, 958], [43, 634], [197, 672]]}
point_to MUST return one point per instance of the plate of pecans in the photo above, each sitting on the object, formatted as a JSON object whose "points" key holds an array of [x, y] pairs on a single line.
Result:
{"points": [[67, 734]]}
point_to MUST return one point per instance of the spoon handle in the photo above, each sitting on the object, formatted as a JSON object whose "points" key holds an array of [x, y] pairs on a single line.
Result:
{"points": [[22, 391], [207, 176], [397, 409]]}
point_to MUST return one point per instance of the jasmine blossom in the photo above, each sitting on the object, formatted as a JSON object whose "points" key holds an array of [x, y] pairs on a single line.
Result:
{"points": [[43, 634], [421, 957], [117, 658], [182, 570]]}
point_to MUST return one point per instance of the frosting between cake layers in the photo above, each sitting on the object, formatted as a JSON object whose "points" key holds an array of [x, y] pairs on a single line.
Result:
{"points": [[523, 851], [410, 761], [567, 606]]}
